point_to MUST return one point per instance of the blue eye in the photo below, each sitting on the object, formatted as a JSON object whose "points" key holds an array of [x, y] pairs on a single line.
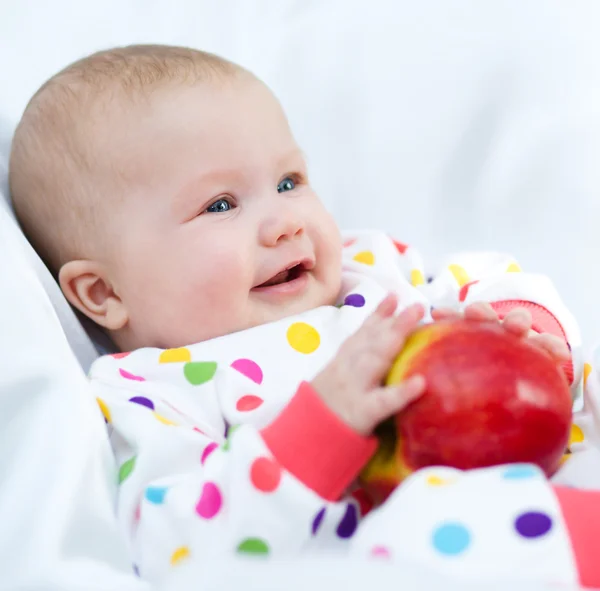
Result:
{"points": [[287, 184], [219, 206]]}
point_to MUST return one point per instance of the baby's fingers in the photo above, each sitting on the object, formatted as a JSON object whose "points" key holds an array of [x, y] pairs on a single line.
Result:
{"points": [[385, 402], [553, 345], [518, 321]]}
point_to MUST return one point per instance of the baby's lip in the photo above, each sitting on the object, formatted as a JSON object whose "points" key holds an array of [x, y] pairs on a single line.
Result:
{"points": [[306, 264]]}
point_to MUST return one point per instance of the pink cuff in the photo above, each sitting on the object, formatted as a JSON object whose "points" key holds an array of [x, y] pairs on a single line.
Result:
{"points": [[317, 447], [581, 512], [543, 322]]}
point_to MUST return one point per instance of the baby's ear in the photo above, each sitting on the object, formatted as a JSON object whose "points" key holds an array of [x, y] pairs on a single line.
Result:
{"points": [[88, 288]]}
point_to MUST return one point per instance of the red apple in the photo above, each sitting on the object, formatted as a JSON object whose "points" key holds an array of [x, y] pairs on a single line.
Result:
{"points": [[491, 398]]}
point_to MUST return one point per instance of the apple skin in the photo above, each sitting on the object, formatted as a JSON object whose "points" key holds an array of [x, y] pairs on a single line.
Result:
{"points": [[491, 398]]}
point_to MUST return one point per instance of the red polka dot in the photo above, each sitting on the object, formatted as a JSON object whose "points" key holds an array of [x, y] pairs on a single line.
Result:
{"points": [[349, 243], [464, 290], [265, 474], [400, 246], [365, 504], [207, 451], [248, 402], [120, 355]]}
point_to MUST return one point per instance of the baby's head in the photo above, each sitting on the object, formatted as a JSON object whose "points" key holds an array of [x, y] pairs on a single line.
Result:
{"points": [[164, 188]]}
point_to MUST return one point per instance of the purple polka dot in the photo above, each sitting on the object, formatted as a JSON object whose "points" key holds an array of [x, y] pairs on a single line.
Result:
{"points": [[136, 570], [569, 346], [143, 401], [316, 524], [533, 524], [355, 300], [348, 524]]}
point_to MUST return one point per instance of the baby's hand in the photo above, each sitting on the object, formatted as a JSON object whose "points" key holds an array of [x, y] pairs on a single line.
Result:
{"points": [[517, 321], [351, 385]]}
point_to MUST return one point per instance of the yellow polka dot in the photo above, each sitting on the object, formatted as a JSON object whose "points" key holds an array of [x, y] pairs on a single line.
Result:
{"points": [[587, 370], [434, 480], [513, 268], [461, 276], [163, 420], [576, 435], [303, 337], [104, 409], [416, 277], [180, 355], [366, 257], [179, 554]]}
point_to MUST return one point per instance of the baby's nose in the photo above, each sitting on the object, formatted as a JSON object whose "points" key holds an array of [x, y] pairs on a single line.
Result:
{"points": [[281, 226]]}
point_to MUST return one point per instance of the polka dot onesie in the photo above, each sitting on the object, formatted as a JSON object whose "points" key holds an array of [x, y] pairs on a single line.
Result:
{"points": [[223, 447]]}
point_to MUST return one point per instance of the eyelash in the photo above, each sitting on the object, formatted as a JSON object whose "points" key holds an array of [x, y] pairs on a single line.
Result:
{"points": [[296, 177]]}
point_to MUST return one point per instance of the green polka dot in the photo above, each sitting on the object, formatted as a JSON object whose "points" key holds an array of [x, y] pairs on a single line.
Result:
{"points": [[199, 372], [126, 469], [253, 546]]}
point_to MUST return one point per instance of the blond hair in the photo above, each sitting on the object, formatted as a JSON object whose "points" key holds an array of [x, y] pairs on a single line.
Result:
{"points": [[59, 173]]}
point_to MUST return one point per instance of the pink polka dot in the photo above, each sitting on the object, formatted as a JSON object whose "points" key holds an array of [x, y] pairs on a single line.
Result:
{"points": [[380, 552], [248, 402], [349, 243], [210, 501], [198, 430], [120, 355], [208, 450], [129, 376], [249, 368]]}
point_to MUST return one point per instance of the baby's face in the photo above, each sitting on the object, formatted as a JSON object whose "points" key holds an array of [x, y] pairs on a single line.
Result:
{"points": [[221, 230]]}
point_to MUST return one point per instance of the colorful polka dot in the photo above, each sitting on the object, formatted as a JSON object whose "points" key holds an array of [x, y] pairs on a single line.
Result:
{"points": [[400, 246], [199, 372], [355, 300], [451, 539], [513, 268], [464, 290], [248, 403], [143, 401], [120, 355], [229, 430], [316, 524], [208, 450], [435, 480], [519, 472], [265, 474], [126, 469], [129, 376], [459, 273], [253, 546], [136, 570], [576, 435], [210, 501], [416, 278], [303, 338], [349, 522], [164, 420], [533, 524], [156, 494], [366, 257], [179, 355], [104, 409], [587, 370], [249, 368], [349, 242], [179, 554], [380, 552]]}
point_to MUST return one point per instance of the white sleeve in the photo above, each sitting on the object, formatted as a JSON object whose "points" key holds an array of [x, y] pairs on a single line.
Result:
{"points": [[194, 488]]}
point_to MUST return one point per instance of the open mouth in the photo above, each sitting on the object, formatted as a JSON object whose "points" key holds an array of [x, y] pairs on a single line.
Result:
{"points": [[287, 275]]}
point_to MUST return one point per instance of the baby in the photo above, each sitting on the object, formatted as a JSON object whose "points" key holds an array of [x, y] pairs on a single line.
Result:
{"points": [[164, 188]]}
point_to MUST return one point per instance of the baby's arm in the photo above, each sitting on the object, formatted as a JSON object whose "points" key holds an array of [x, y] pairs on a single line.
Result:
{"points": [[188, 493]]}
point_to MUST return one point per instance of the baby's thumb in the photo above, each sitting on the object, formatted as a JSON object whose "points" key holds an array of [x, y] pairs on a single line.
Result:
{"points": [[389, 400]]}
